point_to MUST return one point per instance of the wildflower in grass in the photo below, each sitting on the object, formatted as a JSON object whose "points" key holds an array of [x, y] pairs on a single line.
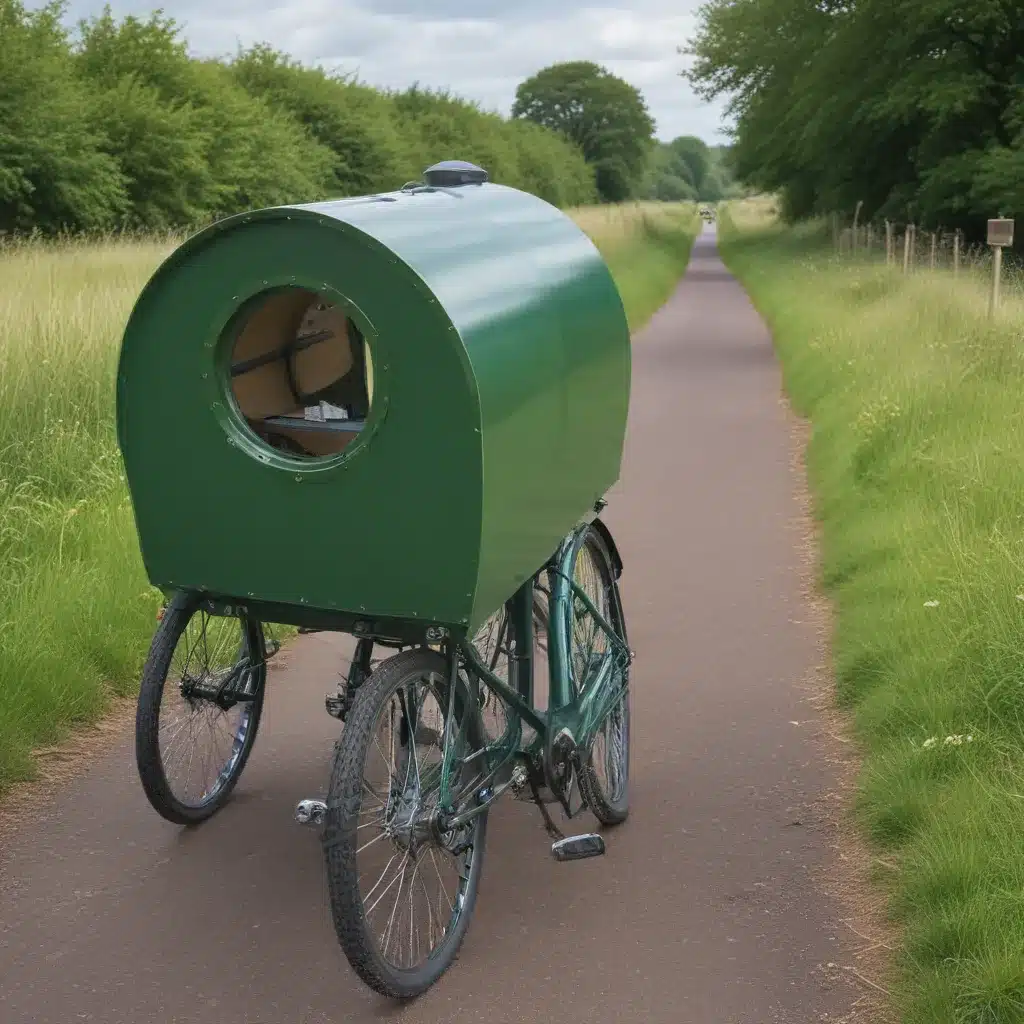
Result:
{"points": [[931, 604], [957, 740]]}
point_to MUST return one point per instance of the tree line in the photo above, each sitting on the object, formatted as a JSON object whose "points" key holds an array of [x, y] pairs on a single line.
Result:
{"points": [[116, 126], [609, 120], [914, 107], [688, 168]]}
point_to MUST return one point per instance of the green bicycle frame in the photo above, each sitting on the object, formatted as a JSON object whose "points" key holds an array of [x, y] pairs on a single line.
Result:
{"points": [[574, 713]]}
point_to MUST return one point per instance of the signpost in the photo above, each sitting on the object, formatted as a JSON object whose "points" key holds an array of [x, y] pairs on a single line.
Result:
{"points": [[1000, 236], [1000, 232]]}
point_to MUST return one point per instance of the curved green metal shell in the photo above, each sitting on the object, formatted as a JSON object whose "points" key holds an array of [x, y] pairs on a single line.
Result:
{"points": [[501, 384]]}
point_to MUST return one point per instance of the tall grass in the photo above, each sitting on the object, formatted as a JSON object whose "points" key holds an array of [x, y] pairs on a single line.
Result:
{"points": [[646, 246], [917, 467], [76, 610]]}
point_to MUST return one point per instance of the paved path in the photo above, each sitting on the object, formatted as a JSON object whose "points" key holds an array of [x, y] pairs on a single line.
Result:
{"points": [[706, 909]]}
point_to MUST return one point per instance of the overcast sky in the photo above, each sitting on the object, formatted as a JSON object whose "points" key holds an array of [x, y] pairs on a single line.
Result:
{"points": [[481, 50]]}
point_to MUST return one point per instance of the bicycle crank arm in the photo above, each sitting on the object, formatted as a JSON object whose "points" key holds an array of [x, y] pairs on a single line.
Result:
{"points": [[590, 844], [485, 797]]}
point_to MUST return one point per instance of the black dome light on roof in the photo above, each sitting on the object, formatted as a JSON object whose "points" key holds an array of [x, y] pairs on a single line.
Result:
{"points": [[453, 173]]}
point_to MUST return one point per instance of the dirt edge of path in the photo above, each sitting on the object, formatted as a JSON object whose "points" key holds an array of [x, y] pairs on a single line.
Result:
{"points": [[850, 885], [72, 758], [64, 762]]}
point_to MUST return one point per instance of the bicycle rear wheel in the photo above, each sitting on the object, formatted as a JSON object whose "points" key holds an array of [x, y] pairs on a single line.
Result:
{"points": [[604, 779]]}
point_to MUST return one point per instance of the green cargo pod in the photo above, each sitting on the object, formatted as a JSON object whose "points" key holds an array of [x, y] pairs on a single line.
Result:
{"points": [[386, 408]]}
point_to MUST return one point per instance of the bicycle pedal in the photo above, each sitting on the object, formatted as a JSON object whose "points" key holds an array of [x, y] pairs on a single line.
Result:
{"points": [[310, 812], [590, 844]]}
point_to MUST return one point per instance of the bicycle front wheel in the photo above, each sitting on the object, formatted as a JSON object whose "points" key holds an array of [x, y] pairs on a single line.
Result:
{"points": [[199, 708], [402, 888]]}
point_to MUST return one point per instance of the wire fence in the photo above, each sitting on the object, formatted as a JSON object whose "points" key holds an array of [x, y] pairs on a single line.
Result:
{"points": [[911, 250]]}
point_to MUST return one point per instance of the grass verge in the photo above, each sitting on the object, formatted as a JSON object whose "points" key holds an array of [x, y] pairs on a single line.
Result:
{"points": [[646, 246], [917, 466], [76, 610]]}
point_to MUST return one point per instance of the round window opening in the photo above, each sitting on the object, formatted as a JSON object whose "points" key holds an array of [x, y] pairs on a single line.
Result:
{"points": [[301, 374]]}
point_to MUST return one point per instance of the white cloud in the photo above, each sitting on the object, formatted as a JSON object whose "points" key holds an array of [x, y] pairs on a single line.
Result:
{"points": [[393, 43]]}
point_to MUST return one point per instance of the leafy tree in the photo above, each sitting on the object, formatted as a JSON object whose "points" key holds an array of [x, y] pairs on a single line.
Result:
{"points": [[120, 126], [551, 166], [353, 121], [258, 156], [54, 173], [140, 75], [687, 168], [908, 105], [517, 153], [191, 142], [439, 125], [605, 116], [694, 154], [667, 178], [150, 51], [160, 150]]}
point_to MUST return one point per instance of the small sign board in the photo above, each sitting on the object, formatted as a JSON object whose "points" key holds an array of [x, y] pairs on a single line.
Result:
{"points": [[1000, 233]]}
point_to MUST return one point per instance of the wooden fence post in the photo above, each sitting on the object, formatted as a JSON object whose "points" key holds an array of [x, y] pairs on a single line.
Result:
{"points": [[956, 253], [890, 253], [907, 235]]}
